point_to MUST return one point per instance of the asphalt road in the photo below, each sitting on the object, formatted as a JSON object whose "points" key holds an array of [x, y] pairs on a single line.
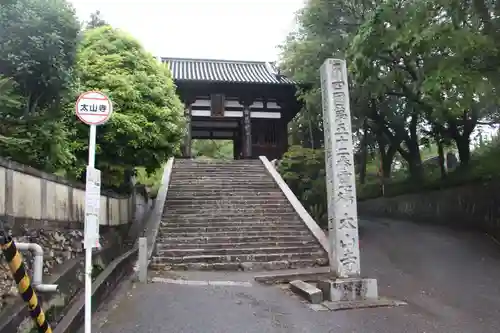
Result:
{"points": [[450, 279]]}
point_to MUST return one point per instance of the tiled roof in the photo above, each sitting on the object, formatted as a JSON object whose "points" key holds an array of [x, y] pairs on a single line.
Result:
{"points": [[225, 71]]}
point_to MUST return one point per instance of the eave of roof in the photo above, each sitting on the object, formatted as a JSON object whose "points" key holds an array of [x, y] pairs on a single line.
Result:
{"points": [[226, 71]]}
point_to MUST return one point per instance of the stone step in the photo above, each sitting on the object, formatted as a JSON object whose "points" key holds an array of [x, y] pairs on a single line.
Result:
{"points": [[220, 175], [221, 172], [250, 169], [185, 162], [178, 190], [241, 207], [227, 200], [255, 257], [242, 266], [228, 224], [225, 194], [236, 234], [179, 221], [225, 216], [251, 228], [242, 245], [233, 239], [229, 206], [232, 211], [236, 251], [221, 179], [229, 197], [219, 165], [211, 186], [242, 195], [194, 186]]}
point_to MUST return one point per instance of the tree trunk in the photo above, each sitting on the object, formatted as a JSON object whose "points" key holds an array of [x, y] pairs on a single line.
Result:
{"points": [[310, 130], [441, 158], [463, 146], [413, 158], [462, 139], [364, 154], [387, 157]]}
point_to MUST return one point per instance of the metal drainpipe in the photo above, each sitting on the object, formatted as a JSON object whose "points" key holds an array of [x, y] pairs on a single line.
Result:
{"points": [[37, 267], [23, 282]]}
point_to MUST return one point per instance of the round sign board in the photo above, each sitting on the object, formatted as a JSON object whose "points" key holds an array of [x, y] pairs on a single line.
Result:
{"points": [[93, 108]]}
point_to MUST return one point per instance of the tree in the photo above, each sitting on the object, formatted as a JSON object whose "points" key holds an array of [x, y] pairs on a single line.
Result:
{"points": [[9, 103], [216, 149], [325, 29], [96, 20], [418, 55], [37, 51], [38, 39], [147, 124]]}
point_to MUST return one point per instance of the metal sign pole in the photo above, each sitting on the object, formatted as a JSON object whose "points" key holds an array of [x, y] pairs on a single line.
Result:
{"points": [[88, 247], [92, 108]]}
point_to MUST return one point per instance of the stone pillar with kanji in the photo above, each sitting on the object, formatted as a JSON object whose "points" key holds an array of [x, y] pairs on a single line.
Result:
{"points": [[343, 233]]}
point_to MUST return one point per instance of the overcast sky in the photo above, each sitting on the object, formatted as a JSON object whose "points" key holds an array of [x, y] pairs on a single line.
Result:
{"points": [[214, 29]]}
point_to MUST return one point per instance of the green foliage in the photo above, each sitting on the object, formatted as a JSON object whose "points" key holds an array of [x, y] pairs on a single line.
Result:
{"points": [[38, 44], [152, 181], [423, 73], [303, 169], [325, 29], [216, 149], [147, 123], [37, 50], [46, 62]]}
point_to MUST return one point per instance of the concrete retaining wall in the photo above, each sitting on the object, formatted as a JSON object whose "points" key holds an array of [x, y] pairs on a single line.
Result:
{"points": [[473, 206], [34, 198]]}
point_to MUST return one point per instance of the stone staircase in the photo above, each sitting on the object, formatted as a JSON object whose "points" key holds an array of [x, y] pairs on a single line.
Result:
{"points": [[231, 216]]}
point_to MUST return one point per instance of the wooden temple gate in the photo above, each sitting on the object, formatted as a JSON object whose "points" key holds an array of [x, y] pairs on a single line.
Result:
{"points": [[249, 103]]}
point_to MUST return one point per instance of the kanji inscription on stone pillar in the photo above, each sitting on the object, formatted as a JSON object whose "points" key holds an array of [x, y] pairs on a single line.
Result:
{"points": [[340, 176]]}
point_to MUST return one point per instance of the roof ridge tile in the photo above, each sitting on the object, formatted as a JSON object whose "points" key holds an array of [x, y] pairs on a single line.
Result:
{"points": [[223, 71]]}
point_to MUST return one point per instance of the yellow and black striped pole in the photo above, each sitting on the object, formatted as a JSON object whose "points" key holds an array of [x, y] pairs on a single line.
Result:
{"points": [[26, 290]]}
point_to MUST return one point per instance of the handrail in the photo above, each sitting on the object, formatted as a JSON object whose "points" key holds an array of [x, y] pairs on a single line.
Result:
{"points": [[153, 224]]}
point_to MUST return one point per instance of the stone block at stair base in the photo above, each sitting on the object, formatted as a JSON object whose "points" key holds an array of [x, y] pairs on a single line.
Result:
{"points": [[349, 290], [367, 303], [307, 291]]}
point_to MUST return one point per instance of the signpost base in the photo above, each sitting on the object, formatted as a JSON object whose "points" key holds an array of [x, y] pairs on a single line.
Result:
{"points": [[351, 289], [88, 289]]}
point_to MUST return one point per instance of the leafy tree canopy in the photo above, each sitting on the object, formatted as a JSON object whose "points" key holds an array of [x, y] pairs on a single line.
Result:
{"points": [[147, 123], [37, 52], [37, 49]]}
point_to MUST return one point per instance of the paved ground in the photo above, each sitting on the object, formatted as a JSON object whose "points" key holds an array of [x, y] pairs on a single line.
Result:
{"points": [[450, 279]]}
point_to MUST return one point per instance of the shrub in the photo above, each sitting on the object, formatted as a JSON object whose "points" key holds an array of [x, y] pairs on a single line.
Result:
{"points": [[303, 169]]}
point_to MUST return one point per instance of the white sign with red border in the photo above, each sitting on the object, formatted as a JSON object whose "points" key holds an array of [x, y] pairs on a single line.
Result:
{"points": [[94, 108]]}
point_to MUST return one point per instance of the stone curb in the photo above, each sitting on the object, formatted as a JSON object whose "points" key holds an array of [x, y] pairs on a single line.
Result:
{"points": [[307, 291], [279, 278], [153, 224]]}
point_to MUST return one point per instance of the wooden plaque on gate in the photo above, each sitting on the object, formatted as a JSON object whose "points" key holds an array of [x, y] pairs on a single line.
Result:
{"points": [[217, 105]]}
